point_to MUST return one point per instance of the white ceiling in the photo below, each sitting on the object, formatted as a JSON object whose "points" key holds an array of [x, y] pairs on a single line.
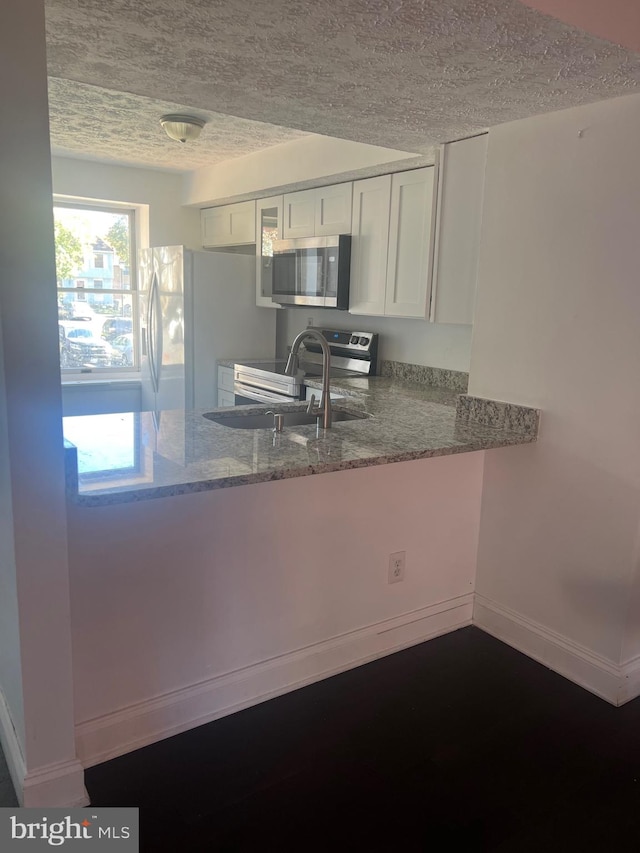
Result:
{"points": [[395, 73]]}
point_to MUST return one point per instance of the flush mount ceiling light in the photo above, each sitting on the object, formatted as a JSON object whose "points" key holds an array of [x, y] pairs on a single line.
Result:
{"points": [[182, 128]]}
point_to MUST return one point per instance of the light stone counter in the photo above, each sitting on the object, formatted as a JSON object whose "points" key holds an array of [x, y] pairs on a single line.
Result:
{"points": [[133, 457]]}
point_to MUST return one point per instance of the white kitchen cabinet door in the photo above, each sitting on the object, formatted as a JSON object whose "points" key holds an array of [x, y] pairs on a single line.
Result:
{"points": [[455, 268], [299, 214], [269, 213], [409, 261], [225, 398], [369, 243], [225, 378], [229, 225], [333, 210]]}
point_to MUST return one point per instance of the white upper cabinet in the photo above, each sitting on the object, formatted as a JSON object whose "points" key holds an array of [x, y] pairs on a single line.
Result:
{"points": [[462, 168], [299, 214], [268, 228], [410, 244], [333, 210], [369, 245], [229, 225], [391, 252], [318, 212]]}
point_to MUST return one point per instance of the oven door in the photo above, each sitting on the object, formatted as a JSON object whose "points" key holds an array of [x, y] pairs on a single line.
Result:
{"points": [[249, 395]]}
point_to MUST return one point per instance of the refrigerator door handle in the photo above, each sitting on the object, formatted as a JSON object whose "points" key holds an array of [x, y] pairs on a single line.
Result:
{"points": [[152, 336], [158, 339]]}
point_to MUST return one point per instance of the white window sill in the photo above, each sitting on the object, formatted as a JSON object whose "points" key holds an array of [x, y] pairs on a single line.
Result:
{"points": [[110, 382]]}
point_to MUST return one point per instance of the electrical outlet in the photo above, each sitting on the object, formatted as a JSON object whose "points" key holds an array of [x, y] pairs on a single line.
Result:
{"points": [[309, 321], [396, 566]]}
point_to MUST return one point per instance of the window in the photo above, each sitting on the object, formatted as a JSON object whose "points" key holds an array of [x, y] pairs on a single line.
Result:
{"points": [[96, 316]]}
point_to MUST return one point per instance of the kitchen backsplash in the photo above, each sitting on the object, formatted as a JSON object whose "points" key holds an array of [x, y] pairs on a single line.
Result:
{"points": [[438, 377], [409, 341]]}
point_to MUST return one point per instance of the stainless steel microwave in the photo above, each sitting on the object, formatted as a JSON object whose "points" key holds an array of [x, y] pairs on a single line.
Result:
{"points": [[312, 271]]}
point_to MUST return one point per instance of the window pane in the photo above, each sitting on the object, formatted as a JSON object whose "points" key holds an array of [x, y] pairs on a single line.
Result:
{"points": [[97, 302], [93, 245], [96, 330]]}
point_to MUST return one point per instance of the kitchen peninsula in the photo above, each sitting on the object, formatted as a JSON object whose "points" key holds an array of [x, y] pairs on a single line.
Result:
{"points": [[176, 452], [224, 597]]}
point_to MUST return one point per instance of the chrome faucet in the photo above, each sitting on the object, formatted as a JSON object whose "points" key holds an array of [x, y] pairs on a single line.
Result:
{"points": [[293, 365]]}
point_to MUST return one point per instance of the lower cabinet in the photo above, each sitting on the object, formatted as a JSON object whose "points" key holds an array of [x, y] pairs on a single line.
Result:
{"points": [[226, 396]]}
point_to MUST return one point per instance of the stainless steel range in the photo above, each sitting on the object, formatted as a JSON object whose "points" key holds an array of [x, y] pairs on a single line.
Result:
{"points": [[352, 354]]}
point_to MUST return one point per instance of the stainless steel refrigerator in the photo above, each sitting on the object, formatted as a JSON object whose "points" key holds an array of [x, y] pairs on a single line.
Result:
{"points": [[196, 308]]}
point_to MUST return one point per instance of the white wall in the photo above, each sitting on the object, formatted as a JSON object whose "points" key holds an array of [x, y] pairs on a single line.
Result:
{"points": [[312, 160], [97, 398], [39, 735], [225, 597], [10, 662], [169, 223], [411, 341], [556, 327]]}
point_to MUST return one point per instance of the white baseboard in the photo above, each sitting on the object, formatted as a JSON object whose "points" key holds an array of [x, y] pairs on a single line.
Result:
{"points": [[60, 784], [630, 688], [130, 728], [617, 684]]}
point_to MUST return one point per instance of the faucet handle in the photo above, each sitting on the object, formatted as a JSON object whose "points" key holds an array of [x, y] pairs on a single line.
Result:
{"points": [[311, 404]]}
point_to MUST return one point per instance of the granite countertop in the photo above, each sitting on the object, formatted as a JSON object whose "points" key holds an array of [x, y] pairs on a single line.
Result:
{"points": [[137, 456]]}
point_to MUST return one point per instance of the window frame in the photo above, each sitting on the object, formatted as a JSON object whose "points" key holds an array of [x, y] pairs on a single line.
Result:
{"points": [[96, 373]]}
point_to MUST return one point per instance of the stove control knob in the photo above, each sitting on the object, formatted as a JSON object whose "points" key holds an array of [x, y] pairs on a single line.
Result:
{"points": [[364, 342], [354, 339]]}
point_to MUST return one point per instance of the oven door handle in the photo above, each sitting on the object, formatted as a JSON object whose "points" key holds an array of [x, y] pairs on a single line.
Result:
{"points": [[259, 395]]}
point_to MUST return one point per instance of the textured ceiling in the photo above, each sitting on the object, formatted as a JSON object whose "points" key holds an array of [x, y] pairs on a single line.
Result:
{"points": [[119, 127], [400, 74]]}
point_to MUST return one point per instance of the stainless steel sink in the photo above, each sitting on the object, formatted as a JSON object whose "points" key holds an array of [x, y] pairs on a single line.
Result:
{"points": [[266, 420]]}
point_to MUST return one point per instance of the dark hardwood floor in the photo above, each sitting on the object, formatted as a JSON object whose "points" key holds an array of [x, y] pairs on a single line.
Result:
{"points": [[460, 743], [7, 794]]}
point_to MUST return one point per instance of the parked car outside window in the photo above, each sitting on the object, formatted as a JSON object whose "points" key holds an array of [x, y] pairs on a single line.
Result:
{"points": [[96, 286], [116, 326], [81, 347], [124, 345]]}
